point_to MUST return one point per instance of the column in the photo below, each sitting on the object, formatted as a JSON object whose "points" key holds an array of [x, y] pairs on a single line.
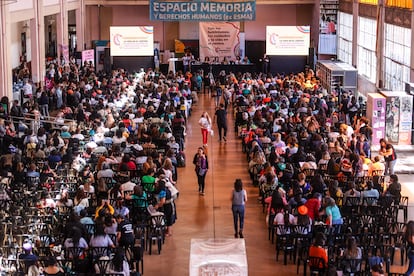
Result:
{"points": [[412, 43], [380, 44], [315, 32], [6, 79], [80, 26], [62, 30], [355, 12], [37, 32]]}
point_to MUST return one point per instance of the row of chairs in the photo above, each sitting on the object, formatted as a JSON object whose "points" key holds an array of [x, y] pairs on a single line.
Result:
{"points": [[376, 176], [387, 207], [383, 255], [295, 240], [149, 230], [349, 266], [78, 260], [99, 258]]}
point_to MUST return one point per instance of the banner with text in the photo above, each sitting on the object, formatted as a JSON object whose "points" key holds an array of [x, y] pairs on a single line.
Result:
{"points": [[287, 40], [64, 52], [132, 41], [219, 40], [202, 11], [88, 55]]}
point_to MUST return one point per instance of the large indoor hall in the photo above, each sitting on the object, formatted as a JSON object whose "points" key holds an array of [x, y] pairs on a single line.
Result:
{"points": [[102, 101]]}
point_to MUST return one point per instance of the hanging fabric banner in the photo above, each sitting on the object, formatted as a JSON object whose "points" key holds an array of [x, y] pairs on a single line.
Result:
{"points": [[88, 55], [219, 40], [64, 53], [202, 11]]}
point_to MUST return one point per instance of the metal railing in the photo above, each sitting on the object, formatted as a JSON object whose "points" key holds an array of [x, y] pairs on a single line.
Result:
{"points": [[50, 120]]}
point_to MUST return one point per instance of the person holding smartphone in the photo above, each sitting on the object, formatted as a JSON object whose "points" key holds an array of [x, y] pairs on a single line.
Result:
{"points": [[104, 209]]}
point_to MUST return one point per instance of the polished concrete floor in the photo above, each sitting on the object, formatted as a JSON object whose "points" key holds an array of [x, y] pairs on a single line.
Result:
{"points": [[209, 216]]}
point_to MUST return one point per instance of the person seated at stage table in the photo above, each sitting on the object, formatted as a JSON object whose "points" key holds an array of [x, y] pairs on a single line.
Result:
{"points": [[245, 60], [216, 60], [225, 61], [207, 60], [238, 60]]}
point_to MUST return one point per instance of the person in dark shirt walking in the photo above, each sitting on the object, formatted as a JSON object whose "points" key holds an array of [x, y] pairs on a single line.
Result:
{"points": [[221, 117]]}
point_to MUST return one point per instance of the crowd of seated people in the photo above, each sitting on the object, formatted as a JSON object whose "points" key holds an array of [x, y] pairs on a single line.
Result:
{"points": [[306, 147], [103, 174]]}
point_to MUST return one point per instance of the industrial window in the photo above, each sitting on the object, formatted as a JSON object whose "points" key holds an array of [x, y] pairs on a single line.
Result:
{"points": [[345, 37], [397, 53], [367, 61]]}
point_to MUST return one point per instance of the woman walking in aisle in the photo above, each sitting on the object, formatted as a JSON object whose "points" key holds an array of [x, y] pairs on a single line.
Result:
{"points": [[201, 167], [205, 124], [238, 200]]}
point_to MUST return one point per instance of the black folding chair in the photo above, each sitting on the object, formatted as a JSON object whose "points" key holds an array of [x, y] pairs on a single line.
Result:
{"points": [[317, 265]]}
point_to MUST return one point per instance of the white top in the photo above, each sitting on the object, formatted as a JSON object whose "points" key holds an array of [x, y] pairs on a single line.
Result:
{"points": [[280, 219], [105, 173], [125, 272], [187, 59], [127, 186], [83, 203], [27, 89], [101, 241], [204, 123]]}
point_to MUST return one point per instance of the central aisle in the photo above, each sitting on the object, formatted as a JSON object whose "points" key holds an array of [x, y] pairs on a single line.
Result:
{"points": [[210, 216]]}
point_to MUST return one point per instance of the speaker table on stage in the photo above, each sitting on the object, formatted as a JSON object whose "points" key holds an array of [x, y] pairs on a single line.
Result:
{"points": [[171, 64]]}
